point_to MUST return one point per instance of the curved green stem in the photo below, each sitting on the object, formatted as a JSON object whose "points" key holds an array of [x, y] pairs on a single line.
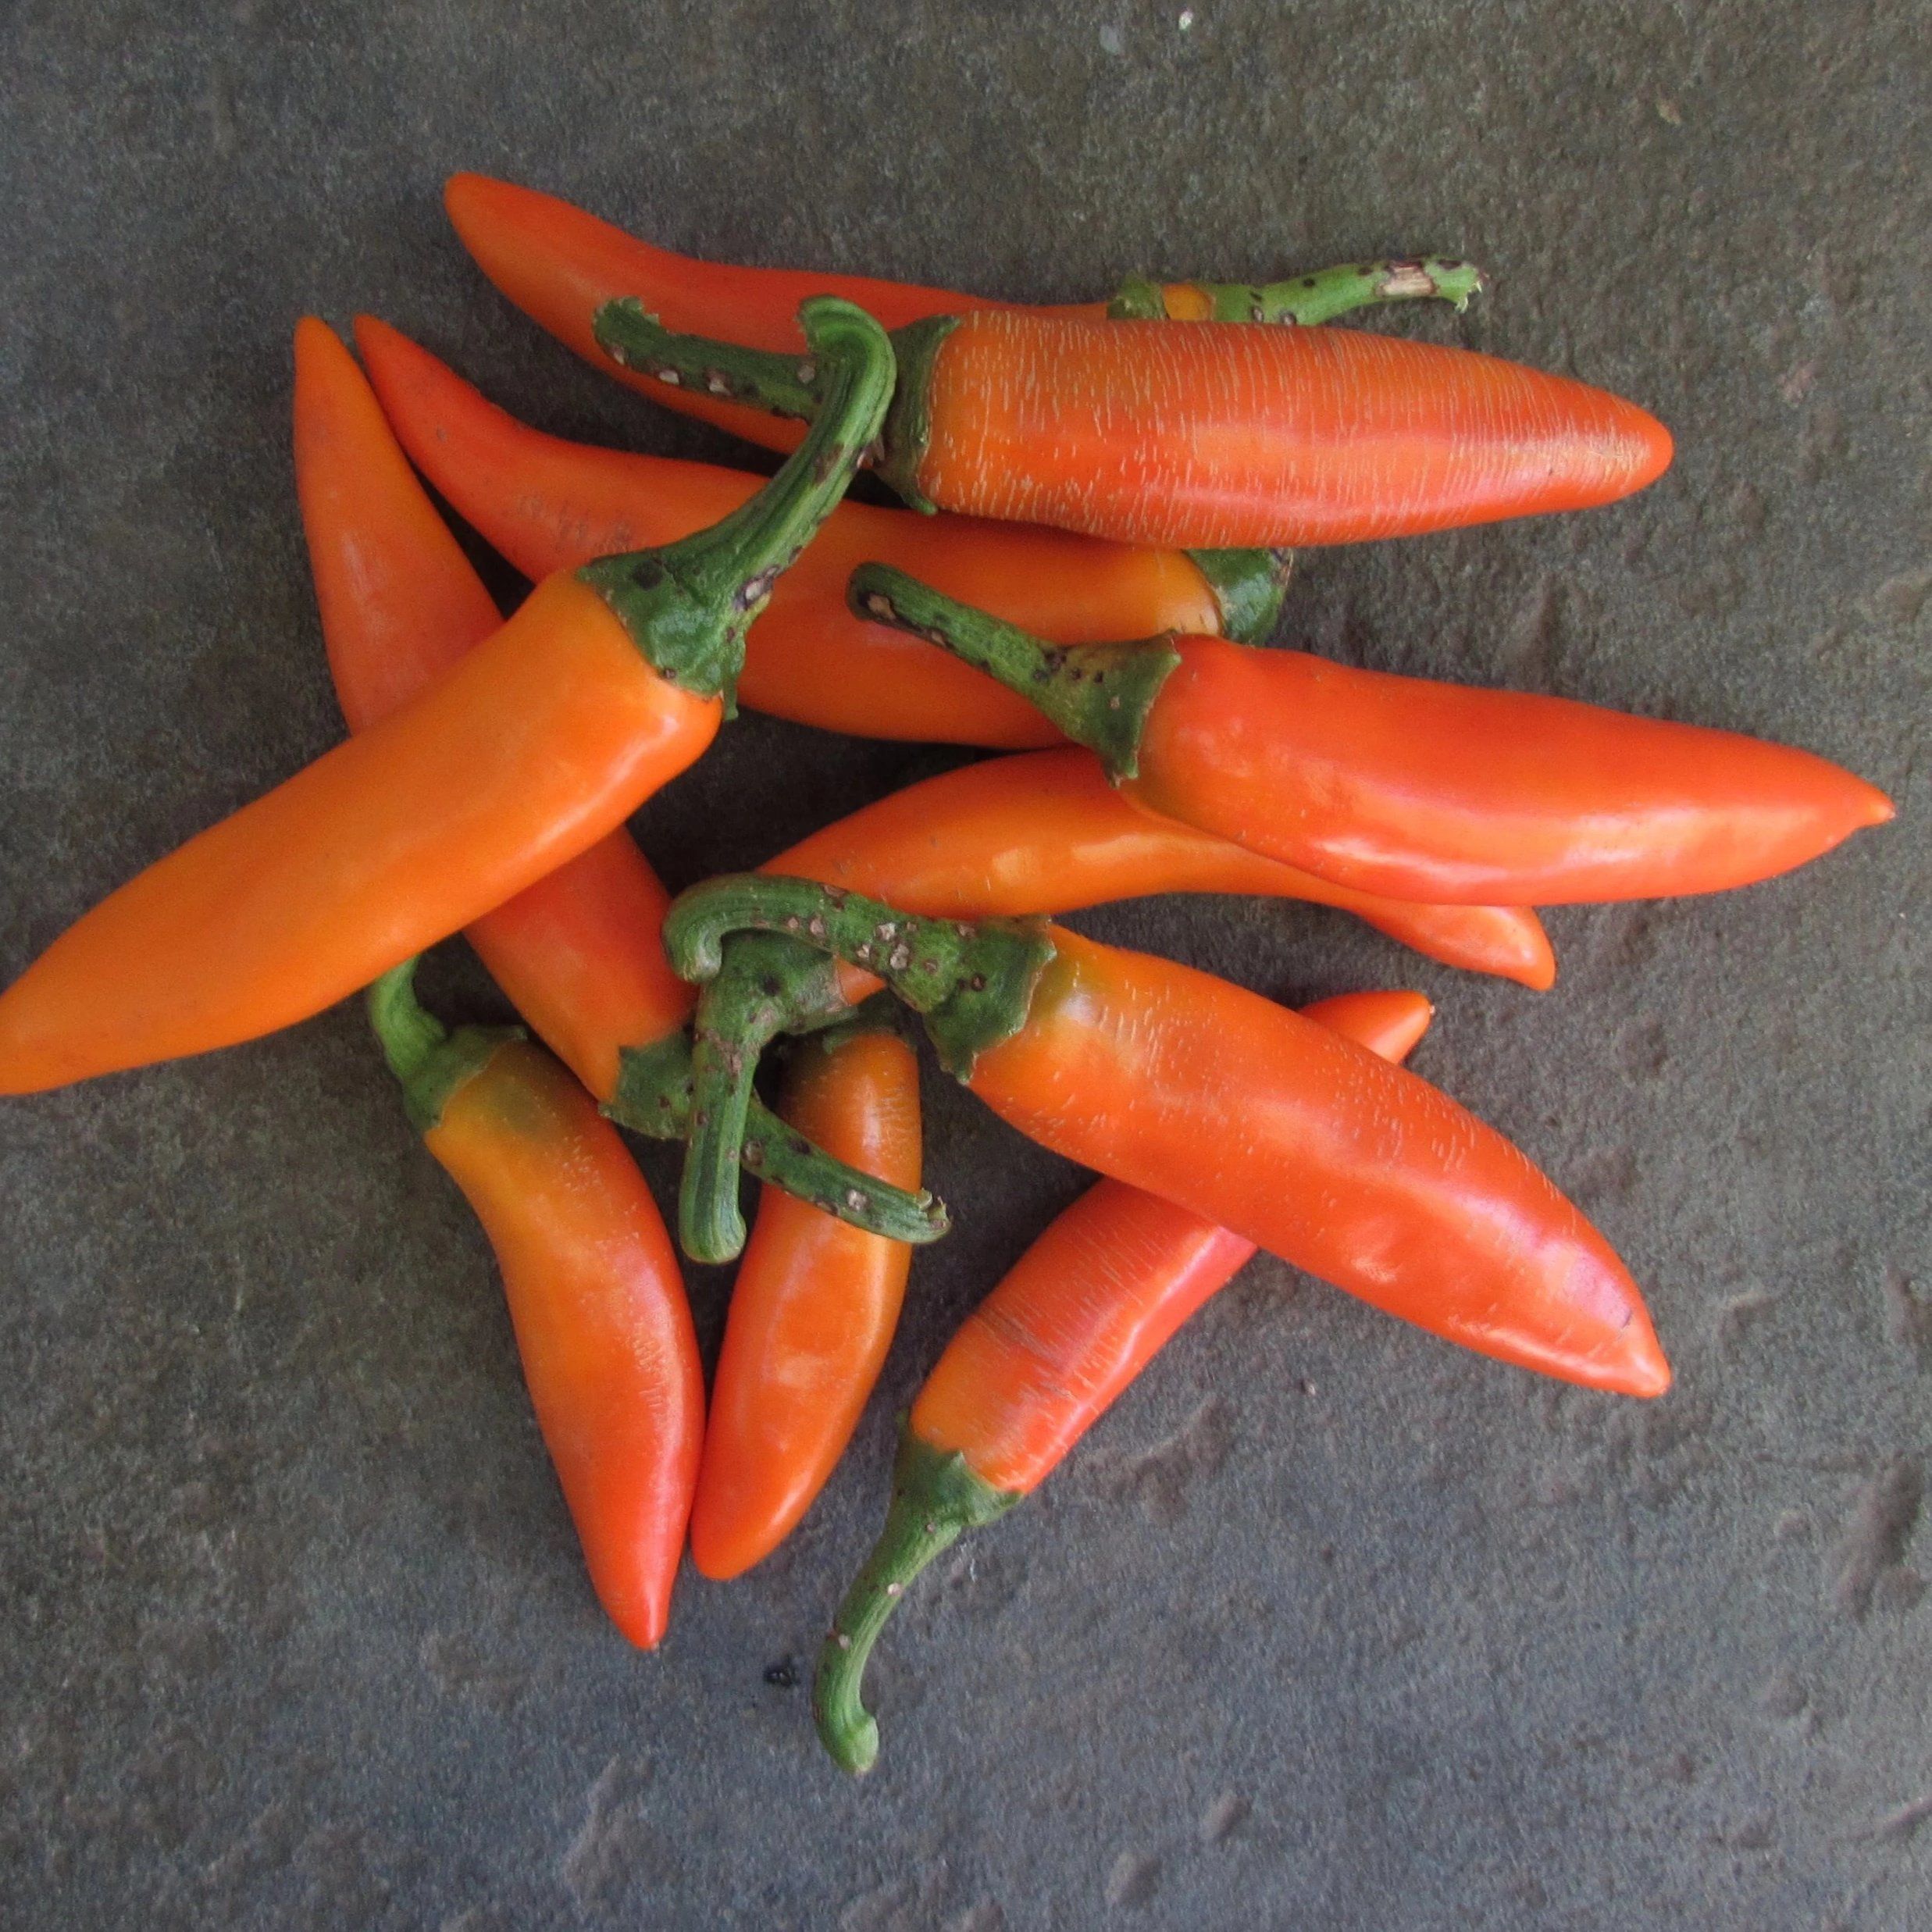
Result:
{"points": [[1099, 695], [935, 1497], [1249, 586], [1304, 299], [653, 1097], [688, 605], [428, 1060], [971, 981]]}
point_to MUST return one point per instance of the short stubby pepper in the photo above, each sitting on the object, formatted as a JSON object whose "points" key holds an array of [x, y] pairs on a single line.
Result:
{"points": [[606, 684], [595, 1293], [1198, 1091], [1405, 787], [1038, 1363]]}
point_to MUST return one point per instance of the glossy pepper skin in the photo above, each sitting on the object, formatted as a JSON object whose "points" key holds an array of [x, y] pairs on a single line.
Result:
{"points": [[814, 1307], [595, 1293], [1213, 435], [578, 952], [1044, 832], [1221, 1102], [561, 265], [539, 742], [1035, 1366], [1410, 787]]}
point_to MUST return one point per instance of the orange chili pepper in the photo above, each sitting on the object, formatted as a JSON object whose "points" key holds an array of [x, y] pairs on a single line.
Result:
{"points": [[1075, 1320], [1404, 787], [1217, 434], [547, 506], [814, 1307], [560, 266], [602, 1324], [1045, 831], [1196, 1090], [606, 684], [578, 952]]}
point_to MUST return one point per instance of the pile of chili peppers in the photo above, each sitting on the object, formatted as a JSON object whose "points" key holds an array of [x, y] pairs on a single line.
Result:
{"points": [[1101, 504]]}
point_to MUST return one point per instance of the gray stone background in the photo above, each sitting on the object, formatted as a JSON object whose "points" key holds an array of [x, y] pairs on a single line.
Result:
{"points": [[1327, 1625]]}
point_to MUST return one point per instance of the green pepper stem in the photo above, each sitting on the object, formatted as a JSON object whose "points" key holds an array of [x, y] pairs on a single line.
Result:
{"points": [[1307, 299], [1099, 695], [653, 1097], [971, 981], [935, 1497], [428, 1060], [688, 605], [1249, 586]]}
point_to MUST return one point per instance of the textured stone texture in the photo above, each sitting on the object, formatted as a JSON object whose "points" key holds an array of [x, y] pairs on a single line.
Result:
{"points": [[1327, 1625]]}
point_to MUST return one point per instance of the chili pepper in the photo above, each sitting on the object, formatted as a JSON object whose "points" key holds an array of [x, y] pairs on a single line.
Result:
{"points": [[1045, 831], [1080, 1315], [606, 684], [595, 1293], [1198, 1091], [814, 1307], [560, 266], [547, 504], [1216, 434], [1404, 787], [578, 952]]}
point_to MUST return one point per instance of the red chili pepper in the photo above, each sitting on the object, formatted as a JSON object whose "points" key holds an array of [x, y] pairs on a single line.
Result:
{"points": [[548, 505], [814, 1307], [1193, 1089], [1044, 832], [1078, 1318], [560, 266], [578, 952], [1215, 434], [607, 683], [1406, 787], [595, 1293]]}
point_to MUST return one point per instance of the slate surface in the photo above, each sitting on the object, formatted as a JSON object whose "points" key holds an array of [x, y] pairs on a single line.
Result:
{"points": [[1327, 1625]]}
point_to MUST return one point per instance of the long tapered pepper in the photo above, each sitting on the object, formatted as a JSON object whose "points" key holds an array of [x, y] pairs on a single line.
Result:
{"points": [[1074, 1320], [579, 952], [1408, 787], [813, 1308], [547, 505], [605, 685], [1208, 1095], [595, 1293], [560, 266], [1218, 433], [1045, 831]]}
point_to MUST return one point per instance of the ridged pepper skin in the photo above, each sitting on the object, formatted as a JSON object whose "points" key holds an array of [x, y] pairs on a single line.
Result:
{"points": [[813, 1309], [1269, 1125], [1224, 433], [1044, 832], [1095, 1297], [547, 505]]}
